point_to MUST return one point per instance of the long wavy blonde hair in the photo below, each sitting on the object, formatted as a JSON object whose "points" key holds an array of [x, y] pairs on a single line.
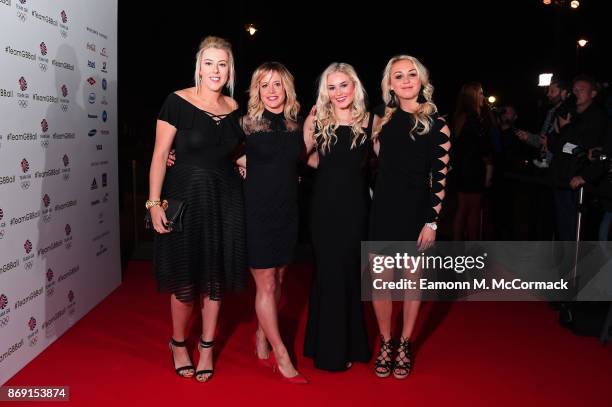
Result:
{"points": [[256, 106], [326, 122], [218, 43], [424, 114]]}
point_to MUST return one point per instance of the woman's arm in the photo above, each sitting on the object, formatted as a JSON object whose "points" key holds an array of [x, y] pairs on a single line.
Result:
{"points": [[164, 137]]}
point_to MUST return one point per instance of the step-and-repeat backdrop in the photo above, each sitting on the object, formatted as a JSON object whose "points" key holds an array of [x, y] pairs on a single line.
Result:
{"points": [[59, 216]]}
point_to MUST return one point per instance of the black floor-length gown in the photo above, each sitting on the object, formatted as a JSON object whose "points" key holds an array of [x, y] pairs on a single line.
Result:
{"points": [[335, 331]]}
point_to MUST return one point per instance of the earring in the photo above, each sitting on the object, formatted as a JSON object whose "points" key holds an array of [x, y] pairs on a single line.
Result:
{"points": [[392, 101]]}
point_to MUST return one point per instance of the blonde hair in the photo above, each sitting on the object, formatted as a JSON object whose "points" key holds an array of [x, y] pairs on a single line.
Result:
{"points": [[325, 120], [423, 117], [256, 105], [217, 43]]}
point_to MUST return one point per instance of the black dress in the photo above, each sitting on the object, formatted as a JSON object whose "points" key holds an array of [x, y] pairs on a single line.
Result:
{"points": [[209, 255], [409, 177], [273, 148], [472, 147], [335, 331]]}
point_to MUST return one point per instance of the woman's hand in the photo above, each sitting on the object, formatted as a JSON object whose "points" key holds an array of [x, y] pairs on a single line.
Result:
{"points": [[427, 237], [158, 217], [171, 159], [242, 172]]}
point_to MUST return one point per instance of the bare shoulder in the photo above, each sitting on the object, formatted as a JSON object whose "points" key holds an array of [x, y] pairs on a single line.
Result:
{"points": [[186, 93], [231, 102]]}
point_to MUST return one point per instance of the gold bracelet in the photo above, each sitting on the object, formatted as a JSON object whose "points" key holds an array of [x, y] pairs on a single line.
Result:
{"points": [[149, 204]]}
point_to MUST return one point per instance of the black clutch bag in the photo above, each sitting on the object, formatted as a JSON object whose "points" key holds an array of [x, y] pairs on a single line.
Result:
{"points": [[174, 214]]}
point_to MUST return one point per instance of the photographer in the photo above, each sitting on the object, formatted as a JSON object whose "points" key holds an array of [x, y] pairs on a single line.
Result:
{"points": [[581, 128], [598, 175], [557, 94]]}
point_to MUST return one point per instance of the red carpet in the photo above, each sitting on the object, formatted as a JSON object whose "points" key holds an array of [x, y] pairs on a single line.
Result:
{"points": [[467, 354]]}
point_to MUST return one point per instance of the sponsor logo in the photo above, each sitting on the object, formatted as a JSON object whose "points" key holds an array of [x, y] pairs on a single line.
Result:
{"points": [[23, 84], [46, 200], [3, 301], [104, 116], [32, 323], [94, 184], [98, 147], [91, 64], [64, 90], [65, 160], [91, 81], [103, 70], [92, 132], [104, 180], [68, 239], [104, 132], [25, 166], [64, 17], [92, 98], [27, 246], [104, 84], [92, 116], [101, 250], [103, 52], [91, 46], [43, 48], [44, 125], [50, 286], [46, 212]]}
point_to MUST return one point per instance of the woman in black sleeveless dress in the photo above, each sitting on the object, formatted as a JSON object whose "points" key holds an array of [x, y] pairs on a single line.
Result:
{"points": [[209, 256], [274, 146], [412, 144], [340, 137]]}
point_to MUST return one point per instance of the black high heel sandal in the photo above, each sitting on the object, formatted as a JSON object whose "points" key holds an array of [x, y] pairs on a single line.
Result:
{"points": [[384, 363], [200, 374], [183, 371], [401, 368]]}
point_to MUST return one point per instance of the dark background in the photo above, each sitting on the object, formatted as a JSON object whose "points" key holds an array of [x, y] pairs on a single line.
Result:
{"points": [[503, 44]]}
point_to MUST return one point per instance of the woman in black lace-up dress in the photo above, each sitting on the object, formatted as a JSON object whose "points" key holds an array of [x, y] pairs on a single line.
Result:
{"points": [[207, 258], [412, 144]]}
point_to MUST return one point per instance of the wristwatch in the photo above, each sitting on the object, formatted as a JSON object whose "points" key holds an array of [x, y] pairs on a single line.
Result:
{"points": [[432, 225]]}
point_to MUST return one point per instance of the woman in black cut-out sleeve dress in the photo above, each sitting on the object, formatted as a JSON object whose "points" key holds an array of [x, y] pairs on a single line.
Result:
{"points": [[412, 144]]}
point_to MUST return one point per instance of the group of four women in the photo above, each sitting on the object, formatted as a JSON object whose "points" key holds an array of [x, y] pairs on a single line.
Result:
{"points": [[226, 228]]}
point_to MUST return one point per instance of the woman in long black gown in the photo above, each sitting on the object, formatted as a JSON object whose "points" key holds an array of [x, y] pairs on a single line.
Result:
{"points": [[340, 137], [412, 144]]}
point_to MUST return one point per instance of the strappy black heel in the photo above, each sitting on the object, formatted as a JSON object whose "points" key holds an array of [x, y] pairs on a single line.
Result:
{"points": [[183, 371], [403, 363], [384, 363], [204, 375]]}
